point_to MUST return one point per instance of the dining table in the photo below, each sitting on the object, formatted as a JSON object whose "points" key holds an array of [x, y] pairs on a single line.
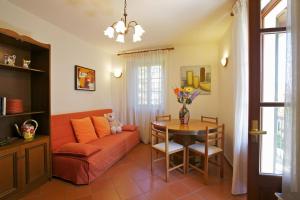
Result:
{"points": [[185, 134]]}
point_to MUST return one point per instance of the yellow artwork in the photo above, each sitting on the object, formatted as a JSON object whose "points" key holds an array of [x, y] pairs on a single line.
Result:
{"points": [[189, 78], [85, 78], [196, 82], [196, 77]]}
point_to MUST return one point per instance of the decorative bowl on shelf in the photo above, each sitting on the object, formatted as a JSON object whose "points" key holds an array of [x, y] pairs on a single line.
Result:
{"points": [[14, 106]]}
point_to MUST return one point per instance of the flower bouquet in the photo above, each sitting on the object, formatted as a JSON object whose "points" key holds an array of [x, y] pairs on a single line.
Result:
{"points": [[185, 96]]}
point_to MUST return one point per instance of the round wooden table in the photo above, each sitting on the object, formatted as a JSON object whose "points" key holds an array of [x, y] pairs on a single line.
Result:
{"points": [[185, 134]]}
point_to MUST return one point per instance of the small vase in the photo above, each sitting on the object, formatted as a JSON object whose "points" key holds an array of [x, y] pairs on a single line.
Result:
{"points": [[184, 115]]}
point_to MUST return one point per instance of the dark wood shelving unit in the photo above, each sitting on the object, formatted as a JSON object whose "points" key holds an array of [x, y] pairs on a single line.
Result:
{"points": [[18, 68], [22, 114], [27, 162]]}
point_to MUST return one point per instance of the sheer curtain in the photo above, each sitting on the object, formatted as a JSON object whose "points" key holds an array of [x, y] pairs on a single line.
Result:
{"points": [[145, 88], [241, 64], [291, 168]]}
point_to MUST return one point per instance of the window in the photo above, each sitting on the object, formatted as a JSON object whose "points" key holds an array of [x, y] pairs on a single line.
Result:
{"points": [[273, 86], [150, 85]]}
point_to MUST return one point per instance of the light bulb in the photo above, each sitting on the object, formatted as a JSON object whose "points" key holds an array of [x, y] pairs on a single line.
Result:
{"points": [[109, 32], [136, 38], [224, 61], [117, 73], [120, 27], [138, 30], [120, 38]]}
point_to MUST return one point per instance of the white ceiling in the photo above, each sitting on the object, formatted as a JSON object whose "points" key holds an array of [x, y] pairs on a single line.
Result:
{"points": [[166, 22]]}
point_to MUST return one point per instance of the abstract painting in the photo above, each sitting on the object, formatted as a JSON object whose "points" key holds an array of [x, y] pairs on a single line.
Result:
{"points": [[196, 77], [85, 78]]}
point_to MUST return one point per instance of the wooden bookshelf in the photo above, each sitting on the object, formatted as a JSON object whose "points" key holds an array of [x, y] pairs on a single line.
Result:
{"points": [[22, 114], [18, 68], [28, 162]]}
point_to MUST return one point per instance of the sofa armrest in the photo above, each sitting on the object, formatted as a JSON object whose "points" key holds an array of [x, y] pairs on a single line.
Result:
{"points": [[129, 127], [77, 149]]}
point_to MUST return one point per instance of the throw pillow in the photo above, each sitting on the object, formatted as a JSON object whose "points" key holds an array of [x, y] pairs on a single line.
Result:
{"points": [[84, 130], [101, 125]]}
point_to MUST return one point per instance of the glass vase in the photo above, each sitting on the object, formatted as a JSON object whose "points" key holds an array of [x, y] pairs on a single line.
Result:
{"points": [[184, 115]]}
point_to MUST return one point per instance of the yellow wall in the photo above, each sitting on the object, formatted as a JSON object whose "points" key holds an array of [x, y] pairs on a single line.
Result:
{"points": [[226, 93]]}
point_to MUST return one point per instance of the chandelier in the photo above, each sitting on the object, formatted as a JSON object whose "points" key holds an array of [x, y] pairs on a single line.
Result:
{"points": [[121, 28]]}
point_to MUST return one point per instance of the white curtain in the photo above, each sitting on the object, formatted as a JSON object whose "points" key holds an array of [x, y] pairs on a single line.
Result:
{"points": [[291, 168], [241, 65], [145, 88]]}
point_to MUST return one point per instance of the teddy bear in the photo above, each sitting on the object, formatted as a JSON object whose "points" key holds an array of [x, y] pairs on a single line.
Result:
{"points": [[115, 125]]}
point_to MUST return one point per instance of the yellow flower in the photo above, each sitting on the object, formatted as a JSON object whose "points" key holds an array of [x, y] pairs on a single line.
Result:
{"points": [[188, 89]]}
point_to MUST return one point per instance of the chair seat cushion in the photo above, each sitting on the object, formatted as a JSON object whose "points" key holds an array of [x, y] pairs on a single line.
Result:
{"points": [[173, 147], [201, 149]]}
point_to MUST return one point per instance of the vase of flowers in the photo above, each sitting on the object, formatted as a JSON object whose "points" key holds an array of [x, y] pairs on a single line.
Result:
{"points": [[185, 96]]}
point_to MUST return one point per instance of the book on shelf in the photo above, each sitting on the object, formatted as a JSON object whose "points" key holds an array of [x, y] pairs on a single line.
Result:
{"points": [[3, 105]]}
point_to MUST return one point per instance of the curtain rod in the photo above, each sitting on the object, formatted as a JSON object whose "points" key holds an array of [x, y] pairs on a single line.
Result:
{"points": [[143, 51]]}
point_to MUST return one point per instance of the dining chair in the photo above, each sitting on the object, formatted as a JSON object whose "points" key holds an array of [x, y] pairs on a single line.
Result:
{"points": [[166, 148], [212, 147], [163, 117], [213, 120]]}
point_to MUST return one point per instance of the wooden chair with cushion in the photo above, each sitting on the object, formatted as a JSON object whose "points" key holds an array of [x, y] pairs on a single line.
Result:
{"points": [[212, 147], [163, 118], [213, 120], [166, 148]]}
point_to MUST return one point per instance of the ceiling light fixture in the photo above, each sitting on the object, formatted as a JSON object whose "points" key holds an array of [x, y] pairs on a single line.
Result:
{"points": [[121, 28]]}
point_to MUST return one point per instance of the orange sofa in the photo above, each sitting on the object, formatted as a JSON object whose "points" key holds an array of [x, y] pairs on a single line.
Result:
{"points": [[84, 169]]}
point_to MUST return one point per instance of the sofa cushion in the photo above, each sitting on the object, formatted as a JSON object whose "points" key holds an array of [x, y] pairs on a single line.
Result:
{"points": [[84, 130], [77, 149], [101, 125], [129, 127]]}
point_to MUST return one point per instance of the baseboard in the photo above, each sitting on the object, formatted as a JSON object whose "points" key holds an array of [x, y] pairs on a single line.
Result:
{"points": [[228, 162]]}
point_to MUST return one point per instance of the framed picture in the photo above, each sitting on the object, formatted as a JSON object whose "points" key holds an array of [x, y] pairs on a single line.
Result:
{"points": [[196, 77], [85, 78]]}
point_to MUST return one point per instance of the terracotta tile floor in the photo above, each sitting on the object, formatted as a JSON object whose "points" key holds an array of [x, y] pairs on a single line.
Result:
{"points": [[131, 179]]}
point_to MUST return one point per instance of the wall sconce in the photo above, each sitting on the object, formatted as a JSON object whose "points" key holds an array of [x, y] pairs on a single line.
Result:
{"points": [[117, 73], [224, 61]]}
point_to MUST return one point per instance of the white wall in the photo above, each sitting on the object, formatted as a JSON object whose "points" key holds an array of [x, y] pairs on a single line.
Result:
{"points": [[190, 55], [66, 51], [226, 93]]}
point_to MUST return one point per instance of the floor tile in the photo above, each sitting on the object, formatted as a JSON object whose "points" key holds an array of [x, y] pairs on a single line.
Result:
{"points": [[75, 192], [162, 194], [178, 189], [151, 183], [110, 194], [127, 189]]}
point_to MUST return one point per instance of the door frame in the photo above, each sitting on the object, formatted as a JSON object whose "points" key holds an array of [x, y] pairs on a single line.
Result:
{"points": [[260, 187]]}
